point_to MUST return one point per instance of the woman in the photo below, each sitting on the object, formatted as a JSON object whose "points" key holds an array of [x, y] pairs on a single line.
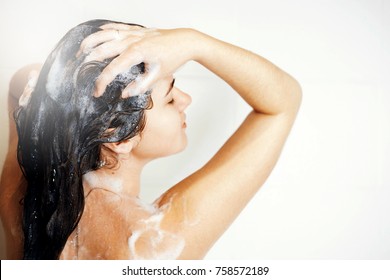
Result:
{"points": [[105, 104]]}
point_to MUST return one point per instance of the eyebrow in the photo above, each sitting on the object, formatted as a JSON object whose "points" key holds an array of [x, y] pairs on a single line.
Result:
{"points": [[170, 87]]}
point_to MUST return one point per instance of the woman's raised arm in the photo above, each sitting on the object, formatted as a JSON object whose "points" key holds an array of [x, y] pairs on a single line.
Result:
{"points": [[213, 196]]}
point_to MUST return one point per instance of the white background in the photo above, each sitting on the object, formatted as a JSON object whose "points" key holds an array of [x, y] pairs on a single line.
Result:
{"points": [[328, 197]]}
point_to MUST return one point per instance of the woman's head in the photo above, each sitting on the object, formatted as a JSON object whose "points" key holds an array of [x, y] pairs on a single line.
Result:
{"points": [[61, 132], [63, 99], [166, 122]]}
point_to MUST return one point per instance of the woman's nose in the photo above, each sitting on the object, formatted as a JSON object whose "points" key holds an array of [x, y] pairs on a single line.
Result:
{"points": [[183, 100]]}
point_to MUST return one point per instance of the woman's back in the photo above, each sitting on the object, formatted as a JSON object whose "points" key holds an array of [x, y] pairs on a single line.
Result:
{"points": [[115, 226]]}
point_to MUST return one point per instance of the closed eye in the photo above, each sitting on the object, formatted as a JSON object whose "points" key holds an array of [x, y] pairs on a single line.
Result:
{"points": [[169, 92]]}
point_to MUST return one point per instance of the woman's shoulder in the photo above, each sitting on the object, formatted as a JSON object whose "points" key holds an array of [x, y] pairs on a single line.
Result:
{"points": [[125, 227], [103, 229]]}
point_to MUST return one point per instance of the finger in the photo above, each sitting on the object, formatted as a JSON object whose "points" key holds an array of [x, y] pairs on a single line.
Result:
{"points": [[143, 83], [120, 26], [117, 66], [96, 39], [105, 51], [134, 29], [110, 49]]}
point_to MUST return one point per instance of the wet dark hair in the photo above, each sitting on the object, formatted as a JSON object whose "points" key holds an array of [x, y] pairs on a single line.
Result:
{"points": [[61, 132]]}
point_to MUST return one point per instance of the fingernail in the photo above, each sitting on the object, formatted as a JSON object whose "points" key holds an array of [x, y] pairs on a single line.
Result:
{"points": [[96, 93]]}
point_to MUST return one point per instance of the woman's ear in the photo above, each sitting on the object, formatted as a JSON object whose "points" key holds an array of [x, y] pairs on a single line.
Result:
{"points": [[123, 147]]}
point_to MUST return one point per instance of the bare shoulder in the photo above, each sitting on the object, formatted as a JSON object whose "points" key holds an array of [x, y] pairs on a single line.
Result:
{"points": [[121, 227], [103, 230]]}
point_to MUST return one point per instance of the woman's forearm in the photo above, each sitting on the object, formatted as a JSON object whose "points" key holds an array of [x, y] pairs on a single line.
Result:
{"points": [[261, 84], [264, 86]]}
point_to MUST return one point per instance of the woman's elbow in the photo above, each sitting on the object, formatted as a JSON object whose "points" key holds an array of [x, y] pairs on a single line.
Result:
{"points": [[296, 95]]}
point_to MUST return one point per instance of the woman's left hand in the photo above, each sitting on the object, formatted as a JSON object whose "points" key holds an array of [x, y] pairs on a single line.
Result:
{"points": [[29, 88]]}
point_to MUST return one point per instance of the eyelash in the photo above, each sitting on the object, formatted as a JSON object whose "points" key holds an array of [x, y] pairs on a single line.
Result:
{"points": [[172, 100]]}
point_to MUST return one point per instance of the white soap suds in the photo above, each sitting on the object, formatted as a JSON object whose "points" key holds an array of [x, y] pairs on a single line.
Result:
{"points": [[55, 75], [143, 82], [95, 181], [148, 237], [149, 241]]}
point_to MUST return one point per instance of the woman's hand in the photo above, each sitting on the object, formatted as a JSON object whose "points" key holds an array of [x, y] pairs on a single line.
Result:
{"points": [[162, 51], [29, 88]]}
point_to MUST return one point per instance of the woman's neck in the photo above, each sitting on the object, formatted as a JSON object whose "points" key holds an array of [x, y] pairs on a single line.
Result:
{"points": [[124, 178]]}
